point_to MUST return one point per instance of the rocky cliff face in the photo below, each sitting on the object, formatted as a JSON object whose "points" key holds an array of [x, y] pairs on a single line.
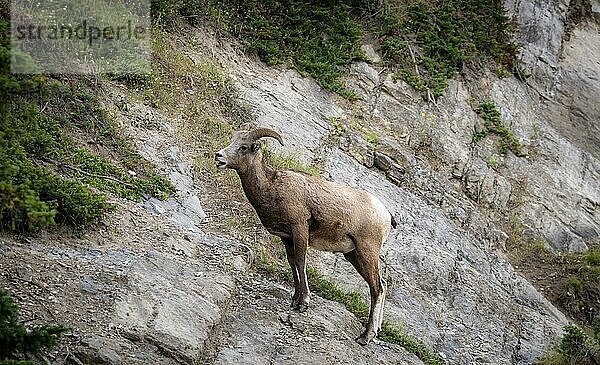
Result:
{"points": [[152, 285], [564, 86]]}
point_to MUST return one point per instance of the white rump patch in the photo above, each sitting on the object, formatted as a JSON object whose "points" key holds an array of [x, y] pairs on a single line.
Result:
{"points": [[382, 211]]}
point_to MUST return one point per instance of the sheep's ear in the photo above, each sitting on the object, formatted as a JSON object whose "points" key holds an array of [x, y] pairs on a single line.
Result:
{"points": [[255, 146], [246, 127]]}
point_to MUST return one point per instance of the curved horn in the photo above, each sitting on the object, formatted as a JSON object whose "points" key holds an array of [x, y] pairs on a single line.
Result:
{"points": [[265, 132]]}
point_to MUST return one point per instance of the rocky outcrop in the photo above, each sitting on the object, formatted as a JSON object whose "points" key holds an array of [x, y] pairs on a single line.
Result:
{"points": [[552, 191], [449, 284], [126, 304], [323, 335], [449, 289], [151, 285], [448, 193], [560, 51]]}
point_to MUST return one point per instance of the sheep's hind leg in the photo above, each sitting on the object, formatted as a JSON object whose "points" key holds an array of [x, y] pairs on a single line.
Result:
{"points": [[289, 250], [300, 239], [368, 268]]}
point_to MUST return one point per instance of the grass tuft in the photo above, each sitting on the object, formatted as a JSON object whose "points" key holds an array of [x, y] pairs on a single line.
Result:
{"points": [[354, 303], [287, 162], [327, 289], [392, 334]]}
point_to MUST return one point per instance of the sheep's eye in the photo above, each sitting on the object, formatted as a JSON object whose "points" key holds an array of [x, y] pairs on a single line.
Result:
{"points": [[243, 148]]}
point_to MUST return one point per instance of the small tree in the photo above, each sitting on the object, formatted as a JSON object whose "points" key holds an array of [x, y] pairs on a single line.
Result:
{"points": [[18, 342], [575, 348]]}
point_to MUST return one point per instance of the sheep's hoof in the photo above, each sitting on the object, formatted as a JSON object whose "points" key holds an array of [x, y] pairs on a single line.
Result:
{"points": [[302, 307], [299, 304], [364, 339], [295, 301]]}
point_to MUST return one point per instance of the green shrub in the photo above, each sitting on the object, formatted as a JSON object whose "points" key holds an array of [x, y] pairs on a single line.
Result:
{"points": [[575, 348], [314, 37], [493, 125], [32, 196], [429, 42], [580, 289], [45, 177], [573, 341], [16, 341]]}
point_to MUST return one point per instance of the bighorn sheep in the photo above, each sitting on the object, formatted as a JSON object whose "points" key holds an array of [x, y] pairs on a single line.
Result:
{"points": [[308, 211]]}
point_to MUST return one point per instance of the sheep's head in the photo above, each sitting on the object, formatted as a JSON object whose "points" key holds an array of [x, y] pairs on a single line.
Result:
{"points": [[244, 148]]}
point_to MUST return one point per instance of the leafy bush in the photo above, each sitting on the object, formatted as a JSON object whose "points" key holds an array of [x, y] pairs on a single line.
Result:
{"points": [[34, 149], [429, 42], [493, 125], [575, 348], [16, 341], [314, 37]]}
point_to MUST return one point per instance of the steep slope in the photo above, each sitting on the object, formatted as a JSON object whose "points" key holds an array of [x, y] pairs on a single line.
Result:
{"points": [[553, 191], [452, 290], [158, 282]]}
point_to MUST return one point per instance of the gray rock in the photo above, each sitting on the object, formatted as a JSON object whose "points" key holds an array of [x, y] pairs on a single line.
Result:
{"points": [[184, 208], [365, 80], [193, 207], [448, 283], [97, 350], [116, 351], [370, 53], [323, 335], [172, 305], [182, 181], [89, 285], [295, 106], [447, 289], [155, 206], [185, 212], [358, 148], [382, 161], [562, 60]]}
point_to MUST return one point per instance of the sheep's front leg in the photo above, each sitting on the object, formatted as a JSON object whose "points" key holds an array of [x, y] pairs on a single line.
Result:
{"points": [[302, 294], [289, 250]]}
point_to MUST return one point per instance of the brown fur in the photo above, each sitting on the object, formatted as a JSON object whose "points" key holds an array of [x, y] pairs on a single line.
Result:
{"points": [[305, 210]]}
